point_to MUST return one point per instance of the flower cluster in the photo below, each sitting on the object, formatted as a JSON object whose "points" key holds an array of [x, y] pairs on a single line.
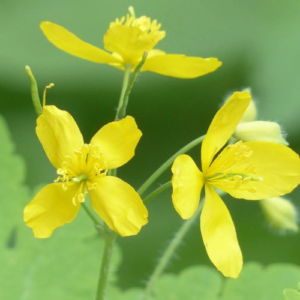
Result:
{"points": [[258, 165]]}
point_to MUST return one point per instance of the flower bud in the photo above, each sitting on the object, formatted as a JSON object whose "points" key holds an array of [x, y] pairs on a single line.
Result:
{"points": [[251, 111], [280, 213], [260, 131]]}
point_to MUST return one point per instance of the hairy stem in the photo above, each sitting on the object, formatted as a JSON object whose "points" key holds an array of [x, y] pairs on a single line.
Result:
{"points": [[105, 266], [124, 88], [122, 111], [169, 252], [168, 163], [157, 192]]}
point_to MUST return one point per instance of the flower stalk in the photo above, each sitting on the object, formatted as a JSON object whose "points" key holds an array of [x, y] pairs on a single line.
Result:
{"points": [[125, 97], [169, 252], [157, 192], [168, 163], [98, 225], [123, 90], [110, 238]]}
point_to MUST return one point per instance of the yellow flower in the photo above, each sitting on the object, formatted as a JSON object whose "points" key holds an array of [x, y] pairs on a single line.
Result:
{"points": [[82, 169], [127, 39], [252, 171]]}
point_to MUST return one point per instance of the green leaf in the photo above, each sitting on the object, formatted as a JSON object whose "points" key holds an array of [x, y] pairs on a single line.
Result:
{"points": [[290, 294], [67, 265], [131, 294], [115, 293], [255, 283], [16, 253], [259, 283], [193, 283], [64, 266]]}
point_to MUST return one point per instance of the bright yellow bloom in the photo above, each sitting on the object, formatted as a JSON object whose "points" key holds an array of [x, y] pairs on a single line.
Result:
{"points": [[82, 169], [127, 39], [252, 171]]}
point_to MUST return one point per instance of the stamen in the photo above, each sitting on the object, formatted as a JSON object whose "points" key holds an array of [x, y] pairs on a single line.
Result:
{"points": [[91, 186], [231, 169], [131, 11], [143, 23], [64, 186]]}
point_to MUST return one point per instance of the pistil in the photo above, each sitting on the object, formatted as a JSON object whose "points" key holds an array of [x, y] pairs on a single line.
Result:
{"points": [[80, 178]]}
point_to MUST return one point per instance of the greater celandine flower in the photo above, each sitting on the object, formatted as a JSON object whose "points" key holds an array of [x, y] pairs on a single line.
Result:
{"points": [[251, 170], [126, 40], [82, 169]]}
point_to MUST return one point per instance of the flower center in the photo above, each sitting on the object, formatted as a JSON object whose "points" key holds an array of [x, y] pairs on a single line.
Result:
{"points": [[82, 168], [233, 168], [143, 23], [129, 37]]}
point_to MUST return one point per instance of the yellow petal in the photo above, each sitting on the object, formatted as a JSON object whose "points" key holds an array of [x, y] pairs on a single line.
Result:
{"points": [[119, 205], [187, 182], [59, 134], [68, 42], [181, 66], [117, 141], [129, 42], [51, 208], [268, 170], [155, 52], [223, 126], [219, 235]]}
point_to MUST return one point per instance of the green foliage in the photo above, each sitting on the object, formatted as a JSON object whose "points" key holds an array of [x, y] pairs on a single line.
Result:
{"points": [[255, 283], [259, 283], [65, 266], [290, 294], [191, 284]]}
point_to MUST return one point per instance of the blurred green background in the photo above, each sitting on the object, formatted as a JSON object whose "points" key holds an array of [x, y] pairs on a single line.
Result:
{"points": [[259, 45]]}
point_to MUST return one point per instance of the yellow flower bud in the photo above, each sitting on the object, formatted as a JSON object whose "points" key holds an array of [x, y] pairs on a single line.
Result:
{"points": [[280, 213], [260, 131], [251, 112]]}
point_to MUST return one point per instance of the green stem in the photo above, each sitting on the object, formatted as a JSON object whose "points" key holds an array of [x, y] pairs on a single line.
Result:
{"points": [[164, 260], [157, 192], [113, 172], [168, 163], [124, 87], [91, 214], [98, 224], [136, 72], [34, 93], [105, 266]]}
